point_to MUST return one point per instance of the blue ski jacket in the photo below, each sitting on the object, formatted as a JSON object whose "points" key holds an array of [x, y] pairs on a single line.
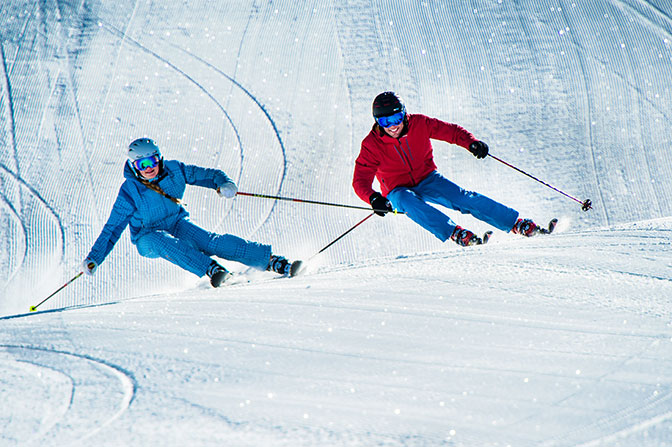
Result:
{"points": [[144, 210]]}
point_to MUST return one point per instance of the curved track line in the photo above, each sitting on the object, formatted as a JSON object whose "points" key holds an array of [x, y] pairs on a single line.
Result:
{"points": [[128, 382], [125, 37], [12, 133], [39, 197], [9, 104], [18, 264], [268, 117], [50, 393], [68, 74], [116, 65], [116, 31]]}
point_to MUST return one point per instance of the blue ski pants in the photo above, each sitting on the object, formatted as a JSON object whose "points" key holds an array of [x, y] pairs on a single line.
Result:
{"points": [[190, 247], [437, 189]]}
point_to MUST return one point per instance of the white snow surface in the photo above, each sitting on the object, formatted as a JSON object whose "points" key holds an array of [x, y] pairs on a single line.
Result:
{"points": [[391, 338]]}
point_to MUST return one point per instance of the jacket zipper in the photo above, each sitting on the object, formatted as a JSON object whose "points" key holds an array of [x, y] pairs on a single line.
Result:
{"points": [[405, 157]]}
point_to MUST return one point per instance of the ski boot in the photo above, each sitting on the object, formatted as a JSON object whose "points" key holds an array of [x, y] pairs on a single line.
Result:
{"points": [[217, 274], [525, 227], [280, 264], [464, 237]]}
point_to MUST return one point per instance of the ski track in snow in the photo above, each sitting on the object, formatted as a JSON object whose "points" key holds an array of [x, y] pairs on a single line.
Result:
{"points": [[92, 383], [228, 117], [22, 240], [60, 246]]}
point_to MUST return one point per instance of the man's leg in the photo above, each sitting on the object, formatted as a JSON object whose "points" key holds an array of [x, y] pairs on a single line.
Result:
{"points": [[428, 217], [438, 189]]}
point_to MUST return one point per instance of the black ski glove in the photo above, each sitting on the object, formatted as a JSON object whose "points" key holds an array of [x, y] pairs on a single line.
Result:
{"points": [[380, 204], [479, 149]]}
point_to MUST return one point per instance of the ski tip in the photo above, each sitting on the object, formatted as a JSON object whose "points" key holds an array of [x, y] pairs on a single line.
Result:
{"points": [[296, 268], [551, 227], [481, 240]]}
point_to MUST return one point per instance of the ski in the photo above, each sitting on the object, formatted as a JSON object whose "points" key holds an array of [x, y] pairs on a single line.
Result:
{"points": [[296, 269], [551, 227], [485, 239], [250, 276]]}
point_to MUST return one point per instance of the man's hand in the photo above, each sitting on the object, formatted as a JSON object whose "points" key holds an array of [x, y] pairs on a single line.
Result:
{"points": [[479, 149], [380, 204]]}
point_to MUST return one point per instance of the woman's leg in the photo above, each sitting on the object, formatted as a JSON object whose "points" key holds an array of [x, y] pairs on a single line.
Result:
{"points": [[225, 246], [160, 244]]}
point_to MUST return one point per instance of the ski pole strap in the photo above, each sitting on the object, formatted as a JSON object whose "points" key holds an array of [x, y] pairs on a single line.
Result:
{"points": [[314, 202], [157, 188]]}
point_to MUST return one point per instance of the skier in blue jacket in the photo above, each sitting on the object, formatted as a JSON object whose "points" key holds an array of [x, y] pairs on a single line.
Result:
{"points": [[149, 204]]}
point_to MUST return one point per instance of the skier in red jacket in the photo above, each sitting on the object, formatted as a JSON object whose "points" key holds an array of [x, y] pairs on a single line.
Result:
{"points": [[398, 152]]}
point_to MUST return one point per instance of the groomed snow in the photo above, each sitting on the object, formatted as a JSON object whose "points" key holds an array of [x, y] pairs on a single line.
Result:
{"points": [[391, 338]]}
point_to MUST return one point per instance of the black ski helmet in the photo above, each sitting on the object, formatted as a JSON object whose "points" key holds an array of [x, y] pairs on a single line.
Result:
{"points": [[386, 104]]}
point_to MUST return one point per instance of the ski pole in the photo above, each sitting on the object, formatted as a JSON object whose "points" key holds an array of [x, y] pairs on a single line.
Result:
{"points": [[585, 205], [342, 235], [34, 308], [314, 202]]}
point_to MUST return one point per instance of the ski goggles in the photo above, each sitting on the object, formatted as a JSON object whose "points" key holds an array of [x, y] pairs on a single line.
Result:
{"points": [[146, 163], [392, 120]]}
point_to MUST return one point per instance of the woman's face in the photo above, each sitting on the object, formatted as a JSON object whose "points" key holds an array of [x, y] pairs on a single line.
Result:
{"points": [[150, 173]]}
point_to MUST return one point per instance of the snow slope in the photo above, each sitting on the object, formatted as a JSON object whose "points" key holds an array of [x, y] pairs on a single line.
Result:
{"points": [[391, 338]]}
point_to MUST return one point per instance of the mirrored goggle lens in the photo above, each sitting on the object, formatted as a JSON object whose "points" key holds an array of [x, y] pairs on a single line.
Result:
{"points": [[146, 163], [392, 120]]}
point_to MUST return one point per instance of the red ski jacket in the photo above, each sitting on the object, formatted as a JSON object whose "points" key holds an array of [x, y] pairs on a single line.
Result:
{"points": [[403, 161]]}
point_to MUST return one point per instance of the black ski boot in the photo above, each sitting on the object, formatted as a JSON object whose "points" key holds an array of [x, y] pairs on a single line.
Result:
{"points": [[281, 265], [217, 274]]}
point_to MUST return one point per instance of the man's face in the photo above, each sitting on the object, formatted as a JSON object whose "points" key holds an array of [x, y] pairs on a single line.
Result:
{"points": [[393, 124], [394, 131]]}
